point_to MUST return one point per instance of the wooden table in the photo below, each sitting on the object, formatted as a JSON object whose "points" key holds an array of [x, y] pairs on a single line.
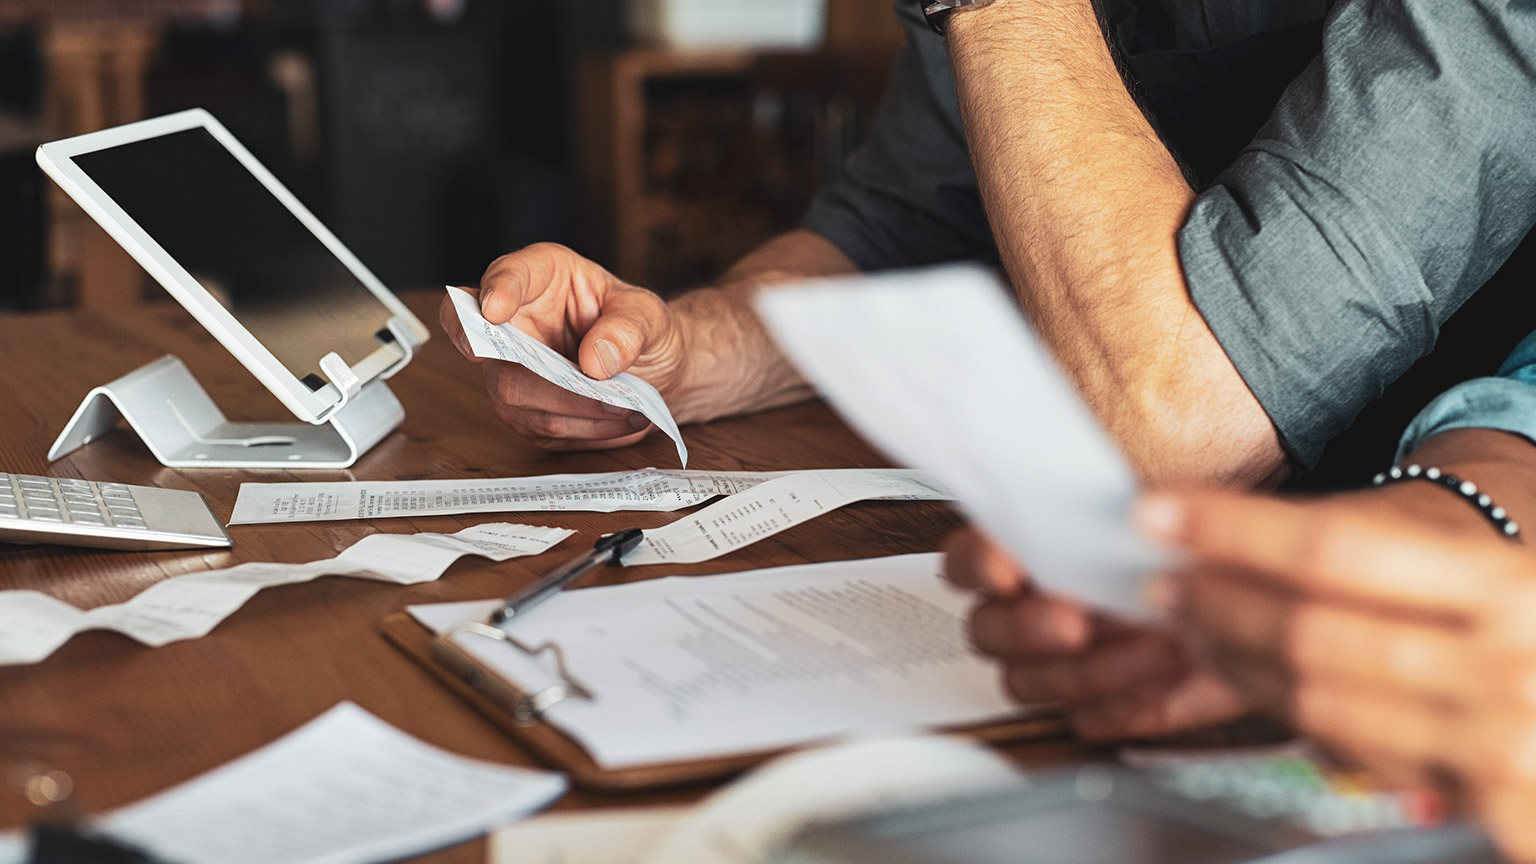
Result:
{"points": [[125, 721]]}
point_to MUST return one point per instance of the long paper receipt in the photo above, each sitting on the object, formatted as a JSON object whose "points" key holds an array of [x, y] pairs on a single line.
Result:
{"points": [[644, 490], [33, 625], [774, 506], [345, 788], [505, 342], [696, 667], [939, 369]]}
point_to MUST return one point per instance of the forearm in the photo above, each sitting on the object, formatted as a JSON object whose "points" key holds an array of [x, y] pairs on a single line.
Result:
{"points": [[733, 366], [1085, 204], [1499, 463]]}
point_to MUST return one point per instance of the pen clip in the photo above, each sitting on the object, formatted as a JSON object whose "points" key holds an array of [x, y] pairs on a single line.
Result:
{"points": [[619, 543]]}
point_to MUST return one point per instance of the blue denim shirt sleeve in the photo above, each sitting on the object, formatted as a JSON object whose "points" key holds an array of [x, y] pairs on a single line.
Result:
{"points": [[1506, 402]]}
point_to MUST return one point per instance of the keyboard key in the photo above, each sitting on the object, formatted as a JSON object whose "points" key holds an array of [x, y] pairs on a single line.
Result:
{"points": [[87, 519], [46, 516]]}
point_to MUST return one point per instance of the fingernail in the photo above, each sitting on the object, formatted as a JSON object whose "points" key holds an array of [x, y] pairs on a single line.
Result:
{"points": [[607, 357], [490, 307], [1161, 517], [639, 421], [614, 410]]}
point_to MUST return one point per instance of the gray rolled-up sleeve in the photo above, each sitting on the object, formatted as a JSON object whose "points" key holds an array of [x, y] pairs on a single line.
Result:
{"points": [[908, 197], [1394, 178]]}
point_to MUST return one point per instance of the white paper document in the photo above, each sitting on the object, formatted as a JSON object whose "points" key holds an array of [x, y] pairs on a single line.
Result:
{"points": [[346, 788], [694, 667], [506, 342], [939, 369], [744, 823], [647, 489], [771, 507], [33, 625]]}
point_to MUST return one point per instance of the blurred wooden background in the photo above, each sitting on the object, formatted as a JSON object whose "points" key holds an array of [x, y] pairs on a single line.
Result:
{"points": [[432, 135]]}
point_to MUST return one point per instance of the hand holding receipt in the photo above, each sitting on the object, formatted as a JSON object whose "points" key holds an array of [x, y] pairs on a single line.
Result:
{"points": [[506, 342]]}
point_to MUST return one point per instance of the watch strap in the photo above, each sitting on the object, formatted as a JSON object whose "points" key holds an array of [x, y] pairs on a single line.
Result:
{"points": [[937, 12]]}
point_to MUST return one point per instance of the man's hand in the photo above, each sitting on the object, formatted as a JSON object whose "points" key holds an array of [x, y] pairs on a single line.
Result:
{"points": [[1406, 646], [583, 311], [1114, 679], [705, 351]]}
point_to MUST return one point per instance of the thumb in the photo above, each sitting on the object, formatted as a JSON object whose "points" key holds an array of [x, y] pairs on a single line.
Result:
{"points": [[618, 337]]}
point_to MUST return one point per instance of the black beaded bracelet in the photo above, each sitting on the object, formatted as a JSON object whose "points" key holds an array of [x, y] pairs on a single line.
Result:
{"points": [[1465, 488]]}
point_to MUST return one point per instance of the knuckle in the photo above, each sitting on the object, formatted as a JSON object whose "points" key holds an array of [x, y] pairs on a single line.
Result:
{"points": [[1324, 547]]}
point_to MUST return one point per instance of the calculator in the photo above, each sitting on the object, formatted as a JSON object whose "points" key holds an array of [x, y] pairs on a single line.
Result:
{"points": [[72, 512], [1097, 815]]}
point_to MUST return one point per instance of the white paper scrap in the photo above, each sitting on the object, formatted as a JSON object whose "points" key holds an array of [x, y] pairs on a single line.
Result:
{"points": [[696, 667], [644, 490], [33, 625], [15, 848], [771, 507], [345, 788], [506, 342], [939, 369]]}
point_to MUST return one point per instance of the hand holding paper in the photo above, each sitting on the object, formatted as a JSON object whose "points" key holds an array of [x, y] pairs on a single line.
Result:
{"points": [[939, 369], [506, 342]]}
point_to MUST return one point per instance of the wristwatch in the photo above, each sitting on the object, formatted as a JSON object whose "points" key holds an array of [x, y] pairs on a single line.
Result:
{"points": [[937, 12]]}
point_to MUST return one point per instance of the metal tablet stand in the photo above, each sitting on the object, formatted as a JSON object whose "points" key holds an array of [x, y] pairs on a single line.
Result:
{"points": [[165, 406]]}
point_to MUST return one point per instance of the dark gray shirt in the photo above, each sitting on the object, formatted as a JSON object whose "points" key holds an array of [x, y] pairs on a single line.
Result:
{"points": [[1395, 175]]}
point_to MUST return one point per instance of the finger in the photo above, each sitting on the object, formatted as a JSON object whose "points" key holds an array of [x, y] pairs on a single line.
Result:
{"points": [[1498, 741], [539, 424], [1197, 701], [1321, 638], [1034, 625], [448, 319], [1104, 671], [1335, 550], [518, 388], [577, 444], [973, 561], [518, 279], [1386, 726], [1505, 809], [630, 320]]}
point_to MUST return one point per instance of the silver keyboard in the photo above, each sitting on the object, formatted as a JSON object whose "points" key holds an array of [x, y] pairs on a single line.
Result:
{"points": [[104, 515]]}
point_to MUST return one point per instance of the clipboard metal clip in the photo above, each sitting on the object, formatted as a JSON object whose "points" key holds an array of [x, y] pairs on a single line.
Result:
{"points": [[526, 708]]}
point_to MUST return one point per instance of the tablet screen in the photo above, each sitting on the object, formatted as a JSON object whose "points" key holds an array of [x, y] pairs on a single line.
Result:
{"points": [[251, 253]]}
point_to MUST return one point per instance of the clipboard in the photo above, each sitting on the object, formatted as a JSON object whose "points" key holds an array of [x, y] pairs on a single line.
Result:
{"points": [[520, 715]]}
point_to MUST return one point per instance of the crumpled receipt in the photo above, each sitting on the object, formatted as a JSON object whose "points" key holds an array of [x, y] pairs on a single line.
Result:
{"points": [[33, 625], [505, 342]]}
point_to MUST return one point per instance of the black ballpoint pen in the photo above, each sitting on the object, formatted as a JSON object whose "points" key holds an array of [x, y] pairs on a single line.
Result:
{"points": [[607, 550]]}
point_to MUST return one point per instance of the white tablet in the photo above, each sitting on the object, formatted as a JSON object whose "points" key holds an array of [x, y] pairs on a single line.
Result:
{"points": [[240, 252]]}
